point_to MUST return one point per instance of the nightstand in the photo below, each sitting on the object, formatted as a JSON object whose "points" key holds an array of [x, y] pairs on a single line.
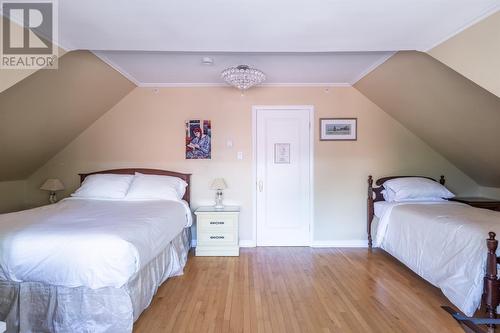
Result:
{"points": [[217, 231], [479, 202]]}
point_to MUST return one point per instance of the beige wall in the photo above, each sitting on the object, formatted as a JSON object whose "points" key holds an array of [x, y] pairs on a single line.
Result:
{"points": [[475, 53], [452, 114], [12, 196], [41, 114], [146, 129], [489, 192]]}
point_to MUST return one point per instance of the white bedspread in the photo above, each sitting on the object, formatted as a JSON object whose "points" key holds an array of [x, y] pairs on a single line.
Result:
{"points": [[91, 243], [443, 243]]}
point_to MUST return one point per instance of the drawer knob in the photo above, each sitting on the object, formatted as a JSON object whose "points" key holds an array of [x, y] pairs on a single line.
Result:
{"points": [[216, 237], [216, 222]]}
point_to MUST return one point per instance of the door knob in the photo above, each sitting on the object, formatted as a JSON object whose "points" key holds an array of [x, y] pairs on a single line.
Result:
{"points": [[261, 185]]}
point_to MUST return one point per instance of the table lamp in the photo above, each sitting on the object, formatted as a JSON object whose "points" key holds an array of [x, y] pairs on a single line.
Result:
{"points": [[218, 185], [52, 185]]}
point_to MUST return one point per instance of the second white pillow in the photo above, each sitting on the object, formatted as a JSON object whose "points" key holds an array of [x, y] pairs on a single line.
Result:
{"points": [[155, 187], [104, 186]]}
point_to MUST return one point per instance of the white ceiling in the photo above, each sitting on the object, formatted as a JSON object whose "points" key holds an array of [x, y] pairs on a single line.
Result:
{"points": [[293, 41], [173, 69], [265, 25]]}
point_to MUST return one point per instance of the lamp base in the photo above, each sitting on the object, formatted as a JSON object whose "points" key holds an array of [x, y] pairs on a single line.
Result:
{"points": [[218, 200], [52, 198]]}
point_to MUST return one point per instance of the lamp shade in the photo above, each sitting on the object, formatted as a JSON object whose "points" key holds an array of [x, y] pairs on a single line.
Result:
{"points": [[218, 184], [52, 185]]}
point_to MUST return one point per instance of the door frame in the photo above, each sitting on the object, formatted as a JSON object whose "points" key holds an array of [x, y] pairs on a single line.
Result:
{"points": [[263, 108]]}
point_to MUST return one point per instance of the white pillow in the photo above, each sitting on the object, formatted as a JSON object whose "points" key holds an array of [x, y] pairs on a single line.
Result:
{"points": [[155, 187], [388, 195], [104, 186], [416, 188]]}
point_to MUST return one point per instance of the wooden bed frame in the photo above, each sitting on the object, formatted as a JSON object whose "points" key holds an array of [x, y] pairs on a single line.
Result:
{"points": [[491, 288], [184, 176]]}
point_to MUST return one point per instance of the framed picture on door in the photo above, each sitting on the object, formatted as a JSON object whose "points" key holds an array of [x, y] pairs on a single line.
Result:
{"points": [[338, 129]]}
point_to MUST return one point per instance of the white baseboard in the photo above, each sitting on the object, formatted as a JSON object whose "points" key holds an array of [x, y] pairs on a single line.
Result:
{"points": [[341, 243], [243, 243], [333, 243], [247, 243], [218, 251]]}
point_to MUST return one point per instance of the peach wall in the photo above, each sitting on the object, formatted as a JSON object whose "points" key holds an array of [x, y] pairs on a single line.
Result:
{"points": [[146, 129]]}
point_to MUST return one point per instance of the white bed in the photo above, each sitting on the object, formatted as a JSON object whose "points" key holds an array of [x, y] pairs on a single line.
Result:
{"points": [[443, 242], [85, 265]]}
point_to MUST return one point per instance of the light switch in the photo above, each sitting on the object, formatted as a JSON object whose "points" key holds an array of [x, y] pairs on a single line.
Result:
{"points": [[229, 143], [240, 155]]}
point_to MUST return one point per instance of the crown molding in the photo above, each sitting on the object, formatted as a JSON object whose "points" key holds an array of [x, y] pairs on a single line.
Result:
{"points": [[117, 68], [266, 85], [372, 68], [307, 84], [179, 85]]}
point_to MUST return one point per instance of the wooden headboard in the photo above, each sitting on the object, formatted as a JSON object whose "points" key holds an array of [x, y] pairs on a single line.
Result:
{"points": [[375, 194], [184, 176]]}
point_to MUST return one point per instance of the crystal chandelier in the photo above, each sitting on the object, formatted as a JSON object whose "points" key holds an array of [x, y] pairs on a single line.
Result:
{"points": [[243, 77]]}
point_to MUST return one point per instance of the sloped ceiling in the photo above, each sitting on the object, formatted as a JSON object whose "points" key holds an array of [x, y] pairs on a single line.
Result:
{"points": [[451, 113], [475, 53], [44, 112]]}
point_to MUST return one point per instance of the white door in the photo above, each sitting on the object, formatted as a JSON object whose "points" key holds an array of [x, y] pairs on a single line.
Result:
{"points": [[283, 166]]}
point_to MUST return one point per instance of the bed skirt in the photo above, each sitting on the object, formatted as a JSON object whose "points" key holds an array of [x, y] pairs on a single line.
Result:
{"points": [[37, 307]]}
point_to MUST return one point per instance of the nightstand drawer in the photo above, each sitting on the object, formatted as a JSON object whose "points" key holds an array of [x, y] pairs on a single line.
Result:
{"points": [[212, 222], [216, 238]]}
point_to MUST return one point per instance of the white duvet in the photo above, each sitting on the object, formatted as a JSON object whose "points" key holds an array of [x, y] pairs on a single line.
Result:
{"points": [[443, 242], [91, 243]]}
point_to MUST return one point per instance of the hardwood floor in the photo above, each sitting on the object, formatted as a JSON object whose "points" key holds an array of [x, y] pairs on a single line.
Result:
{"points": [[297, 290]]}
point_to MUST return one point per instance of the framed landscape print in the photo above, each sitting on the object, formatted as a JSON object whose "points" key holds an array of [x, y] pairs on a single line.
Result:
{"points": [[198, 139], [338, 129]]}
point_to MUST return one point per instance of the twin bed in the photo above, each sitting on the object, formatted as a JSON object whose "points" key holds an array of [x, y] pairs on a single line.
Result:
{"points": [[442, 241], [91, 265]]}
